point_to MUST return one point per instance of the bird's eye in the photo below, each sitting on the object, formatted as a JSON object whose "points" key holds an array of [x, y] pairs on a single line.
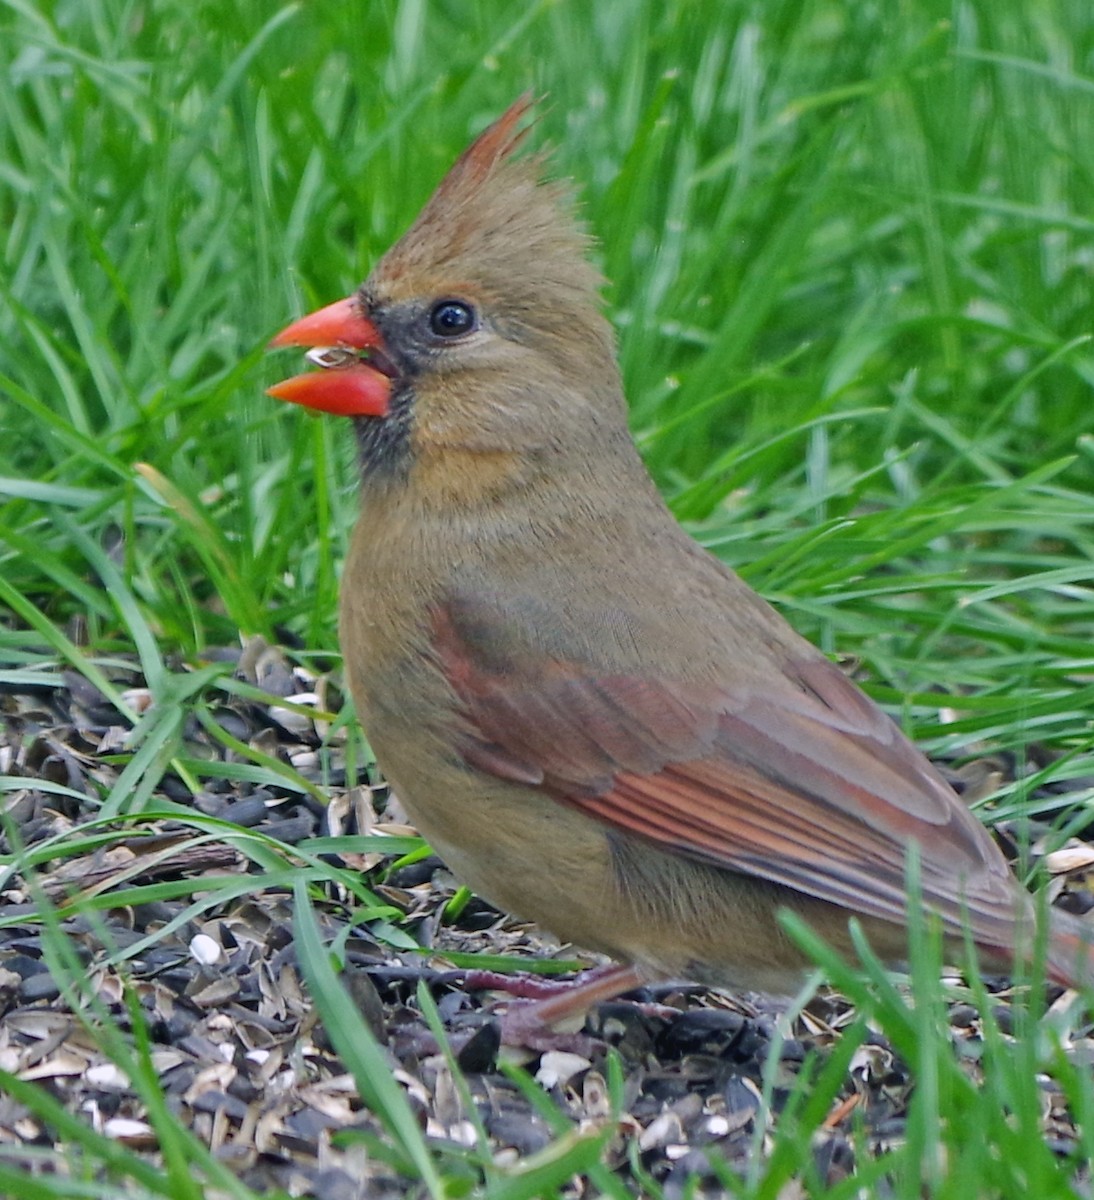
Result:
{"points": [[451, 318]]}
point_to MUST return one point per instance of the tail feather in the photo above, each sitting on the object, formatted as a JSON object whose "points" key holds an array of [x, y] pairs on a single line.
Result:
{"points": [[1070, 958]]}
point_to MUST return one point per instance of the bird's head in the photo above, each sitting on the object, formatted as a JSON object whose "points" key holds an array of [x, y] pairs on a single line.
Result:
{"points": [[478, 332]]}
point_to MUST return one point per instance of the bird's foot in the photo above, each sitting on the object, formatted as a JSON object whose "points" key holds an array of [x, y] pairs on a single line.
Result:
{"points": [[542, 1005], [525, 986]]}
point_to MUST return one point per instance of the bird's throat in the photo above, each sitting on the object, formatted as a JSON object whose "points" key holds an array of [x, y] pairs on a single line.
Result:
{"points": [[383, 443], [466, 479]]}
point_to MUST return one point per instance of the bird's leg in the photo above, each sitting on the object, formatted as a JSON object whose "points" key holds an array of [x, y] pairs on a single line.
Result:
{"points": [[544, 1003], [525, 986]]}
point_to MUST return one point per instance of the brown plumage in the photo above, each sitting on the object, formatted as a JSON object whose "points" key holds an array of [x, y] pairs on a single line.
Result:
{"points": [[596, 723]]}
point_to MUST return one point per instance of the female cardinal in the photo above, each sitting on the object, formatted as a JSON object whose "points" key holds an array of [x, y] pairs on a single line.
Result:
{"points": [[594, 722]]}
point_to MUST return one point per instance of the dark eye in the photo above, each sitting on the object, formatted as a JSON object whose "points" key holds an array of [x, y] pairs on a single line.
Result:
{"points": [[451, 318]]}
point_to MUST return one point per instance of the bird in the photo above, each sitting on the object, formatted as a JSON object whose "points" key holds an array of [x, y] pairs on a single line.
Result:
{"points": [[596, 723]]}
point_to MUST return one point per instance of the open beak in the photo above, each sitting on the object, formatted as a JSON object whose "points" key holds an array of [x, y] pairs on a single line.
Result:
{"points": [[354, 379]]}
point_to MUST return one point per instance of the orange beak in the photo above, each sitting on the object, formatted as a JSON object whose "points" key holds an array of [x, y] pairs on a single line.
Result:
{"points": [[347, 383]]}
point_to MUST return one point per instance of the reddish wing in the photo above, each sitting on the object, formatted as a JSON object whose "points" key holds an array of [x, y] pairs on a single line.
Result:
{"points": [[802, 781]]}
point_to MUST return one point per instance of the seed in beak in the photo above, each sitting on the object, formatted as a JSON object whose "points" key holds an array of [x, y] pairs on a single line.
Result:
{"points": [[332, 357]]}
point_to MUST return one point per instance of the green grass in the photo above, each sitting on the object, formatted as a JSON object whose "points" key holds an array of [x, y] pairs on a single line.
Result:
{"points": [[849, 253]]}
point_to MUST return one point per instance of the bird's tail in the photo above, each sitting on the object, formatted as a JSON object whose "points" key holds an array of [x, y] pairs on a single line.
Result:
{"points": [[1070, 957]]}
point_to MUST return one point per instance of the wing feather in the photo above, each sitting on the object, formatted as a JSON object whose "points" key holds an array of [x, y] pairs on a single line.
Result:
{"points": [[800, 780]]}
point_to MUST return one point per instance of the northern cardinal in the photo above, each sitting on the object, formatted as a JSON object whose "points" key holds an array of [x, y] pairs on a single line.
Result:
{"points": [[593, 721]]}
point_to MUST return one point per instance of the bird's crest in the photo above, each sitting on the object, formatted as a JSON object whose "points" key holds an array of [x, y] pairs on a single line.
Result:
{"points": [[495, 226], [494, 146]]}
